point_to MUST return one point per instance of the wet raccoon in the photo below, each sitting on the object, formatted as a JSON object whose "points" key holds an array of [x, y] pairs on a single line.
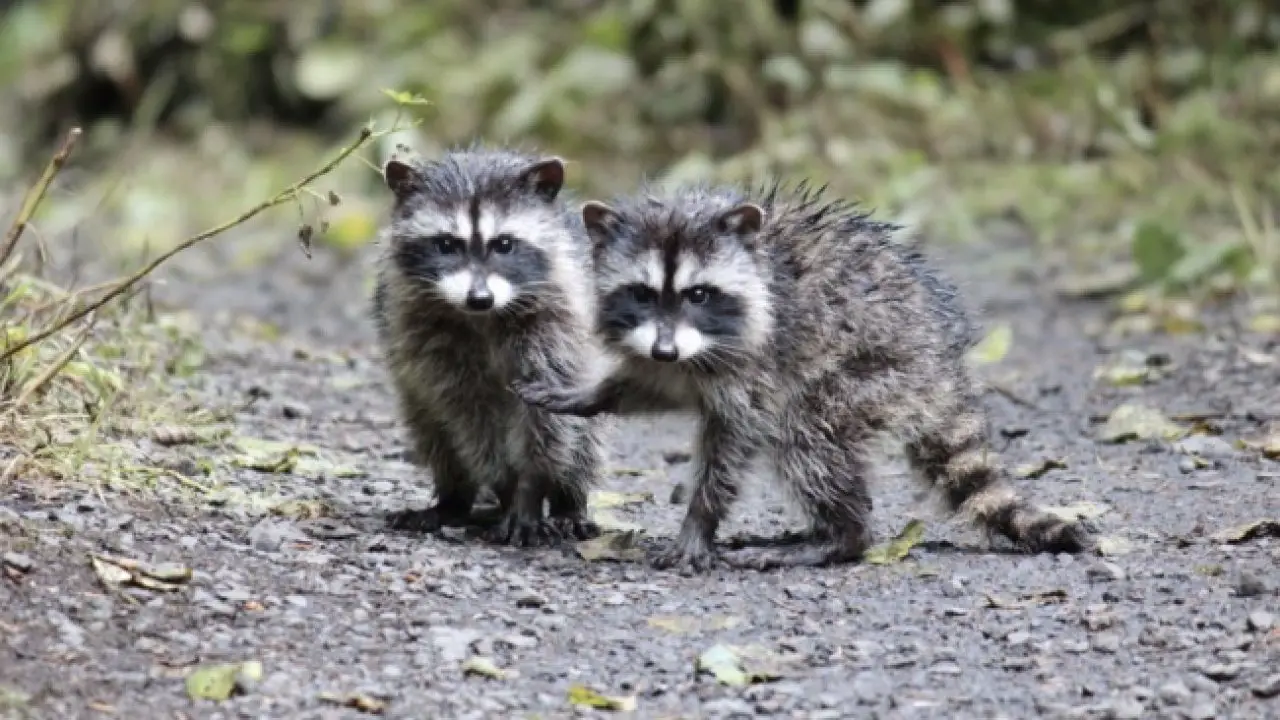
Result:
{"points": [[802, 333], [480, 285]]}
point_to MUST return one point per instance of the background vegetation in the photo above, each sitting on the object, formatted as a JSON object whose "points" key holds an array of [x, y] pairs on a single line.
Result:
{"points": [[1133, 142], [1084, 122]]}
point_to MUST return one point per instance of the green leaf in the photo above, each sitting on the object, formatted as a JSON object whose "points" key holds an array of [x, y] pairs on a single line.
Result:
{"points": [[217, 682], [897, 548], [992, 348], [401, 97], [1205, 259], [586, 697], [1156, 250]]}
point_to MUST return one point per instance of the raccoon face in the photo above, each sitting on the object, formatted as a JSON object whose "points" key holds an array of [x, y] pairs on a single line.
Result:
{"points": [[678, 287], [474, 231]]}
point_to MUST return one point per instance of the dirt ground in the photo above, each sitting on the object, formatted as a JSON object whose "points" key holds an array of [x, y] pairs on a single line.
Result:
{"points": [[1173, 622]]}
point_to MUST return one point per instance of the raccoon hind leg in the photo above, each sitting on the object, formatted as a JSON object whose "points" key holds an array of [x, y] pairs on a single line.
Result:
{"points": [[825, 467], [455, 488], [570, 489], [955, 459]]}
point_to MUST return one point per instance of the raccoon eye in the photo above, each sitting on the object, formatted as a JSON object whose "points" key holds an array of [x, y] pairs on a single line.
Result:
{"points": [[503, 244], [444, 244], [698, 295], [643, 293]]}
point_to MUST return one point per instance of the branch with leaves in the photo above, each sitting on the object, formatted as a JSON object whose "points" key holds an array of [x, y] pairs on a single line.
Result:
{"points": [[119, 287]]}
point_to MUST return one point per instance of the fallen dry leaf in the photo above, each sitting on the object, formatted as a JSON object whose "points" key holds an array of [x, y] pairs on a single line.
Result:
{"points": [[1265, 324], [161, 577], [1075, 512], [610, 522], [1137, 422], [897, 548], [606, 499], [1046, 597], [1266, 527], [994, 347], [218, 682], [482, 666], [1038, 469], [1269, 446], [737, 666], [355, 701], [681, 624], [615, 546], [584, 696], [1111, 546]]}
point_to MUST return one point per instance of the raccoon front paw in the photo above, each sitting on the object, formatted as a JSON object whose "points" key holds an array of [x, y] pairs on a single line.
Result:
{"points": [[516, 530], [688, 557], [576, 526], [557, 399]]}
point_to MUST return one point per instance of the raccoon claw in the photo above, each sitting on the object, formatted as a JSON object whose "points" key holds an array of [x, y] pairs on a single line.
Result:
{"points": [[687, 558], [518, 531], [575, 526]]}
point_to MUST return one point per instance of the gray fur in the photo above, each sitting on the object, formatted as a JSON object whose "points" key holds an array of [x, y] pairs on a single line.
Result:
{"points": [[835, 334], [452, 364]]}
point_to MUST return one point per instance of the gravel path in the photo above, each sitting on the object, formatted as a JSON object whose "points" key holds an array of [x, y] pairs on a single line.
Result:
{"points": [[1175, 622]]}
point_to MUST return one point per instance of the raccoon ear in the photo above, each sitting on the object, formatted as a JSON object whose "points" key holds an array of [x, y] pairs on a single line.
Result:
{"points": [[545, 177], [600, 220], [744, 219], [401, 178]]}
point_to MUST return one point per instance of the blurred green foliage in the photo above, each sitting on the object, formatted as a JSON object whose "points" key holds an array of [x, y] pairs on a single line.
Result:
{"points": [[1082, 123]]}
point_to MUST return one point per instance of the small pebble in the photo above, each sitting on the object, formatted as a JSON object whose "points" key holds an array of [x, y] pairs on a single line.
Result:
{"points": [[1260, 621], [294, 410], [1268, 687], [1105, 572], [1221, 672], [18, 561], [1127, 709], [1174, 693], [1203, 710], [675, 457], [1106, 643], [530, 600]]}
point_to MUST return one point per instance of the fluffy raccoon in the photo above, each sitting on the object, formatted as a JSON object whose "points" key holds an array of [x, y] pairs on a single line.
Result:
{"points": [[480, 285], [803, 333]]}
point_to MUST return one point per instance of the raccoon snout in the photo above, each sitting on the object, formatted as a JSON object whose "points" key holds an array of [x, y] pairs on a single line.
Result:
{"points": [[479, 298], [479, 295], [664, 350]]}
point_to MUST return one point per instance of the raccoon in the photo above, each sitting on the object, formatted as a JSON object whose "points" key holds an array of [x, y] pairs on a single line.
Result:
{"points": [[803, 333], [481, 284]]}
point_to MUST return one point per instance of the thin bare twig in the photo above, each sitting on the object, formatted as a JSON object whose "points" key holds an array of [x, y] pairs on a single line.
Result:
{"points": [[124, 284], [36, 194]]}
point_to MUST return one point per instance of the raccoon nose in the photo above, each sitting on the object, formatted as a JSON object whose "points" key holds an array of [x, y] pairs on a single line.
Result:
{"points": [[479, 299], [665, 351]]}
